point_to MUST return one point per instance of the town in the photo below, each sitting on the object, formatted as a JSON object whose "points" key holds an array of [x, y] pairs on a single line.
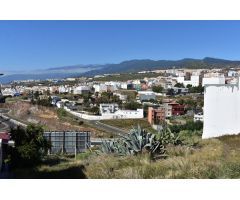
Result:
{"points": [[78, 114]]}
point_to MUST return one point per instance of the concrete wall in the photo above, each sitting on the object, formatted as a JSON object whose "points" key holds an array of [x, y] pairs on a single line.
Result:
{"points": [[221, 110], [120, 114]]}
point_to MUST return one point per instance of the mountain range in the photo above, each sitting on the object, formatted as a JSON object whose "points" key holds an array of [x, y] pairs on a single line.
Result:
{"points": [[123, 67]]}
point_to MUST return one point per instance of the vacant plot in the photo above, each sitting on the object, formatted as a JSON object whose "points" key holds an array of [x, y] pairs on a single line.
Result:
{"points": [[212, 158], [48, 118], [127, 124]]}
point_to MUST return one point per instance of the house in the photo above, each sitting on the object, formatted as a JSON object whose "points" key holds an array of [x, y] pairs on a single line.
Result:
{"points": [[180, 90], [146, 95], [173, 108], [177, 109], [100, 88], [198, 117], [108, 108], [194, 80], [64, 89], [81, 90], [112, 111], [156, 115], [232, 73]]}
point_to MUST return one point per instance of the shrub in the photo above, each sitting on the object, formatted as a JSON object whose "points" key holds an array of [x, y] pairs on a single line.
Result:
{"points": [[61, 113], [30, 146]]}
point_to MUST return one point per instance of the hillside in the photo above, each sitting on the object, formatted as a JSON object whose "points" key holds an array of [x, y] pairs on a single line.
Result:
{"points": [[140, 65], [123, 67]]}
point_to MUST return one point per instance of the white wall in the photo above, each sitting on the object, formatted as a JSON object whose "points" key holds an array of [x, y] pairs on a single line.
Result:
{"points": [[221, 110], [213, 80], [120, 114]]}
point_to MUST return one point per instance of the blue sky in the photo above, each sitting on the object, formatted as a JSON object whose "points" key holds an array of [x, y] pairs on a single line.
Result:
{"points": [[30, 45]]}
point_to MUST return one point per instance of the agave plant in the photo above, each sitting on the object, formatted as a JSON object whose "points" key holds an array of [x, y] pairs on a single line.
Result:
{"points": [[138, 141]]}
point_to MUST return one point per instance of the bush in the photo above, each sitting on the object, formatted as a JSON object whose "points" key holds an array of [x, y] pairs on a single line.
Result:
{"points": [[157, 89], [61, 113], [30, 146], [132, 105], [80, 123], [190, 125]]}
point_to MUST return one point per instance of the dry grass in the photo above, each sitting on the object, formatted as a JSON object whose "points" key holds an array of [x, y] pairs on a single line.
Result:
{"points": [[127, 124], [212, 158], [215, 158], [47, 116]]}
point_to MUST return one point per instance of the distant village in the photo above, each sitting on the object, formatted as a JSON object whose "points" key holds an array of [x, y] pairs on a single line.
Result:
{"points": [[156, 98]]}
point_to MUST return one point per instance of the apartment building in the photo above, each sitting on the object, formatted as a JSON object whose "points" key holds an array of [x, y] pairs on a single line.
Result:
{"points": [[156, 115]]}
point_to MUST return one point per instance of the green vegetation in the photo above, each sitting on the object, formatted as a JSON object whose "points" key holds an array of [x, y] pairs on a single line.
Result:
{"points": [[211, 158], [61, 113], [128, 124], [44, 102], [108, 97], [132, 105], [179, 85], [198, 89], [157, 89], [30, 146], [192, 103], [190, 126], [139, 141]]}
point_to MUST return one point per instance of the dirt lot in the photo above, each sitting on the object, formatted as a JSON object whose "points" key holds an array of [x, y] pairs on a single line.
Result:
{"points": [[46, 116]]}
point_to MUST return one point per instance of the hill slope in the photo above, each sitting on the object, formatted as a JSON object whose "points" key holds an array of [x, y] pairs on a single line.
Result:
{"points": [[140, 65]]}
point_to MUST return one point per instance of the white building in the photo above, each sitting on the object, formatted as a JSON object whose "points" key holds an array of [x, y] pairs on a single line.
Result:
{"points": [[123, 85], [198, 117], [108, 108], [9, 92], [64, 89], [100, 88], [213, 80], [232, 73], [194, 81], [146, 95], [81, 89], [110, 111], [221, 110]]}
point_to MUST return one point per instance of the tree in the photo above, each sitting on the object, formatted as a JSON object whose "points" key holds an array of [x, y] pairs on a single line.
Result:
{"points": [[36, 95], [198, 89], [179, 85], [132, 105], [189, 86], [157, 89], [30, 146], [45, 102]]}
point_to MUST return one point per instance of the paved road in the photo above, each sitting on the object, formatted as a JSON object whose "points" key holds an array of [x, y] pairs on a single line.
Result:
{"points": [[4, 125], [95, 124], [105, 127]]}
